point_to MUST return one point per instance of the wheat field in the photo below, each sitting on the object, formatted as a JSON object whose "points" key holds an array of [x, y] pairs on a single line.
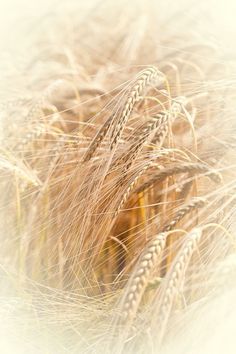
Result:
{"points": [[117, 167]]}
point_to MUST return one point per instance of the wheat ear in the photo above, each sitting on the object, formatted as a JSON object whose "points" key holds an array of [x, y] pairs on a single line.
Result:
{"points": [[177, 169], [131, 186], [183, 211], [138, 282], [125, 196], [144, 79], [173, 112], [174, 279], [159, 124], [148, 261], [98, 139]]}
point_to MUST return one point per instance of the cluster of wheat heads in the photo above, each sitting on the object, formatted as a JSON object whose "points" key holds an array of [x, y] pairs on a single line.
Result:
{"points": [[118, 180]]}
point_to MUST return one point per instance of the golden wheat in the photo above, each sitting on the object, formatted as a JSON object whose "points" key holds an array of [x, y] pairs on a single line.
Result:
{"points": [[116, 155]]}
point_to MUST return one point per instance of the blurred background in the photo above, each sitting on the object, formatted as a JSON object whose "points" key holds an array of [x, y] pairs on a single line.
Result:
{"points": [[18, 17]]}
